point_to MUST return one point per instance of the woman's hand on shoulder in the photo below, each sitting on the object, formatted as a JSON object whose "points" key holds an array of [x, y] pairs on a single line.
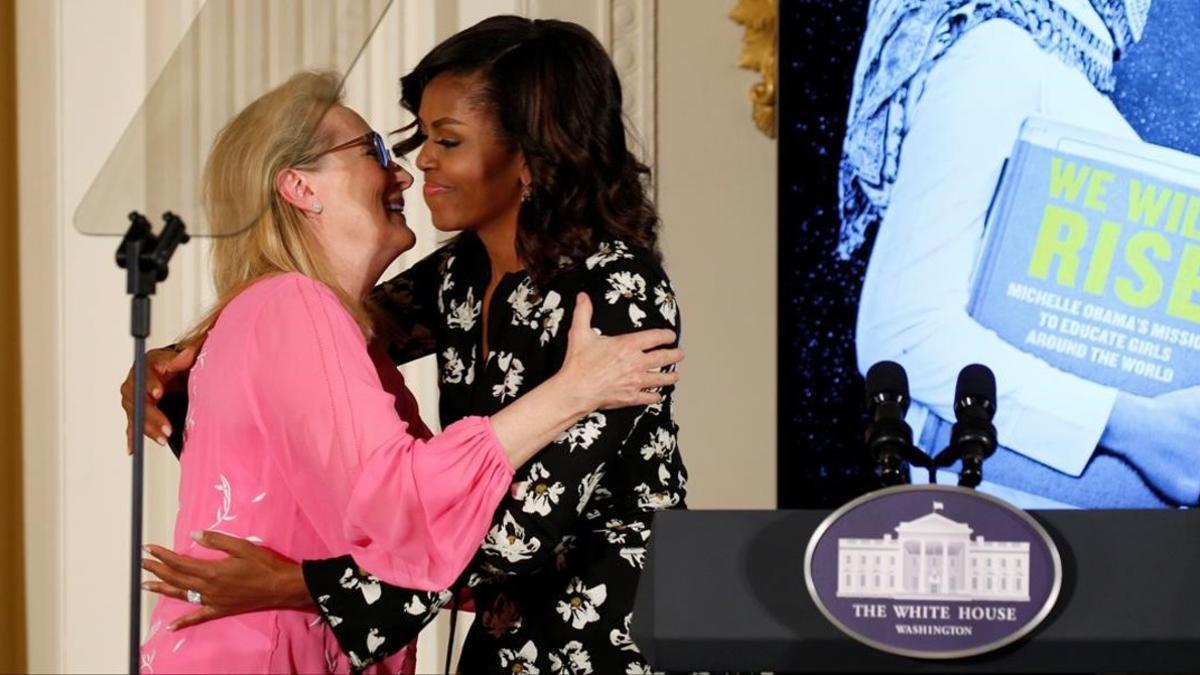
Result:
{"points": [[618, 371]]}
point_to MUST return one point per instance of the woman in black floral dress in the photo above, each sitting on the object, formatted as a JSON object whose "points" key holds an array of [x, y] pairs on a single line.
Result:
{"points": [[524, 154]]}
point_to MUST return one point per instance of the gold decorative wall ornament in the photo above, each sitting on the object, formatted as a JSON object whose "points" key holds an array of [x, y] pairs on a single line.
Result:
{"points": [[761, 19]]}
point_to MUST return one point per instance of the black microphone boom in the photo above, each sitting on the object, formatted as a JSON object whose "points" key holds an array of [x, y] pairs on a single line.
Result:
{"points": [[973, 437], [889, 438]]}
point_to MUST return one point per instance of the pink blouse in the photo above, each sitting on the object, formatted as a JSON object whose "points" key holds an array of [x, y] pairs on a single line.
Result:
{"points": [[300, 439]]}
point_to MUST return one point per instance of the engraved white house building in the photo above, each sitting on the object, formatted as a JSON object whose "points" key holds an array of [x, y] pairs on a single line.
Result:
{"points": [[933, 558]]}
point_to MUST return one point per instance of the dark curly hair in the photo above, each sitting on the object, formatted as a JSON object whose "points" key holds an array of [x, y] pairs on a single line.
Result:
{"points": [[557, 97]]}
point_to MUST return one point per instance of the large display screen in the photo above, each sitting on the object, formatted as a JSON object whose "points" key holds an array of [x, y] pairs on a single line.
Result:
{"points": [[1013, 183]]}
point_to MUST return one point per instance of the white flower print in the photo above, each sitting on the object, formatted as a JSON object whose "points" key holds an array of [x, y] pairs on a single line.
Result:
{"points": [[652, 410], [620, 638], [538, 494], [664, 298], [632, 536], [636, 314], [355, 660], [374, 640], [634, 555], [148, 661], [579, 609], [368, 585], [655, 500], [415, 607], [371, 590], [524, 301], [447, 283], [421, 604], [501, 618], [661, 445], [588, 486], [572, 659], [552, 315], [470, 377], [513, 377], [664, 474], [333, 620], [638, 668], [463, 315], [223, 511], [625, 285], [520, 662], [616, 530], [584, 432], [189, 420], [508, 541], [608, 252], [453, 368]]}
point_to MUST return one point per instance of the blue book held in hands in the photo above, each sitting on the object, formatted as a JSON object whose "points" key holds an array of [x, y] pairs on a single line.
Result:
{"points": [[1091, 258]]}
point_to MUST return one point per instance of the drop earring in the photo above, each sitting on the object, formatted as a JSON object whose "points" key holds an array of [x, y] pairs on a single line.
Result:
{"points": [[526, 194]]}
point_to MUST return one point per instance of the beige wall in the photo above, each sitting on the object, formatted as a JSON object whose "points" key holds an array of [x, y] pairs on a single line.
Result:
{"points": [[40, 239], [84, 66], [716, 193]]}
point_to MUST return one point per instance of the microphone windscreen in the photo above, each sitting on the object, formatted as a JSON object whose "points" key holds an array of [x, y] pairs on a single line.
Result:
{"points": [[976, 382], [884, 378]]}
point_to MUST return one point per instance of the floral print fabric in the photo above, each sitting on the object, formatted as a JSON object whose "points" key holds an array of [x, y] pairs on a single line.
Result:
{"points": [[553, 582]]}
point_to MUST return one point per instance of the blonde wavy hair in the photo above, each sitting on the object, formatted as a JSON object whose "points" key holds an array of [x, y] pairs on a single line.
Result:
{"points": [[259, 233]]}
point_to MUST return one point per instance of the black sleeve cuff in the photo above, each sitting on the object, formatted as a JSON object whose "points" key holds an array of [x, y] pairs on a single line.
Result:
{"points": [[370, 619]]}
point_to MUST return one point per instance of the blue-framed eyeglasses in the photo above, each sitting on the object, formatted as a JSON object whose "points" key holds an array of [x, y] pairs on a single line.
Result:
{"points": [[371, 138]]}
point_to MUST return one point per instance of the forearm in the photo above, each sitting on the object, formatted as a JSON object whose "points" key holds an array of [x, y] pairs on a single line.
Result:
{"points": [[534, 420], [1131, 417], [291, 590]]}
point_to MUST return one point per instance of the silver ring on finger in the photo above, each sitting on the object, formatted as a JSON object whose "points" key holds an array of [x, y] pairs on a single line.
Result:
{"points": [[195, 598]]}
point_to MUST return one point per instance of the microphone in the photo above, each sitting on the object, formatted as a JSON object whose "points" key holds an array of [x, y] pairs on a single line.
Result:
{"points": [[889, 438], [973, 437]]}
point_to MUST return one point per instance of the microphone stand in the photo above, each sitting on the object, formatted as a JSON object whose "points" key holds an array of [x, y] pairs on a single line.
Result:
{"points": [[145, 258], [972, 441], [892, 465]]}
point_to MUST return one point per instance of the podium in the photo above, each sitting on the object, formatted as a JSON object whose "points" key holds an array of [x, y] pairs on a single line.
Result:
{"points": [[725, 590]]}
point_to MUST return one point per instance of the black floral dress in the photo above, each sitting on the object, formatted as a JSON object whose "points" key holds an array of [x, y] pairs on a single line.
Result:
{"points": [[553, 582]]}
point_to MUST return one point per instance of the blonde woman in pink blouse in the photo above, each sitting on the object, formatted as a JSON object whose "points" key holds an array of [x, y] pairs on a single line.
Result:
{"points": [[301, 435]]}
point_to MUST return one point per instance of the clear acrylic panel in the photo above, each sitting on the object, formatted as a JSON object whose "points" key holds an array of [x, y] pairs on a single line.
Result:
{"points": [[231, 54]]}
